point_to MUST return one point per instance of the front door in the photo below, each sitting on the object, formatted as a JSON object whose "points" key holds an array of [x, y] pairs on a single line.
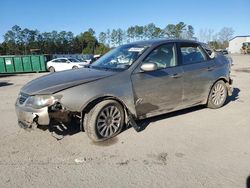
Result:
{"points": [[160, 90]]}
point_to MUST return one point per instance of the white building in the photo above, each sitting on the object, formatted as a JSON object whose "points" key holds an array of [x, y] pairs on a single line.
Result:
{"points": [[235, 44]]}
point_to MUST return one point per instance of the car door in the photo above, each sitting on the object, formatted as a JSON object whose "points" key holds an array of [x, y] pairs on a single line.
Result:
{"points": [[55, 64], [198, 73], [64, 65], [159, 90], [52, 63]]}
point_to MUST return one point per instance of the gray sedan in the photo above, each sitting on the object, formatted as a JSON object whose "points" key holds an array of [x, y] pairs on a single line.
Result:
{"points": [[131, 82]]}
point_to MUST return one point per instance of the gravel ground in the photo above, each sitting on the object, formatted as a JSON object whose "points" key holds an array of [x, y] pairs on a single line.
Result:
{"points": [[198, 147]]}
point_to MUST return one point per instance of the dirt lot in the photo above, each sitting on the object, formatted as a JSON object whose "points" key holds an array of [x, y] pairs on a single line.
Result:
{"points": [[198, 147]]}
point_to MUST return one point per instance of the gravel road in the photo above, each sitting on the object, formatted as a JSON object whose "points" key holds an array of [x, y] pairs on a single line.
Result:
{"points": [[197, 147]]}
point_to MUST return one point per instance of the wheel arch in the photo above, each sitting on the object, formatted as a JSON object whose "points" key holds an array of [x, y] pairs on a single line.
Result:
{"points": [[224, 79], [51, 66], [127, 110]]}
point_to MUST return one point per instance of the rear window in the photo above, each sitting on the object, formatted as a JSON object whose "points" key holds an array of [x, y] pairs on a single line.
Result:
{"points": [[56, 60], [73, 60], [63, 60]]}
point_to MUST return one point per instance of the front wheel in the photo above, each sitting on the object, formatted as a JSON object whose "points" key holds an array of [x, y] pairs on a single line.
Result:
{"points": [[104, 121], [218, 95]]}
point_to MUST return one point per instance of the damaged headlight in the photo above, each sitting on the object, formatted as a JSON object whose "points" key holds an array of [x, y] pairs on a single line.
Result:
{"points": [[41, 101]]}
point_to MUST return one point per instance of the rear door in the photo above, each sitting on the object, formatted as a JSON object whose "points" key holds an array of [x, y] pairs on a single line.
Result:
{"points": [[160, 90], [198, 73]]}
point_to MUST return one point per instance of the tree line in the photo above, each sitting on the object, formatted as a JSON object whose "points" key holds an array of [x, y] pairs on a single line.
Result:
{"points": [[217, 40], [150, 31], [18, 41]]}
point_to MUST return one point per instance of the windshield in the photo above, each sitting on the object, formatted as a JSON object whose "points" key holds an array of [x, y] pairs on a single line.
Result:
{"points": [[73, 60], [119, 58]]}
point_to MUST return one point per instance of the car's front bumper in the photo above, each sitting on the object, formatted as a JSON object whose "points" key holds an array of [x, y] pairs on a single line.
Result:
{"points": [[28, 116]]}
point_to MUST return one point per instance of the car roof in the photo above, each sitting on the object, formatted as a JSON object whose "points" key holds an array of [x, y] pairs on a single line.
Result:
{"points": [[160, 41]]}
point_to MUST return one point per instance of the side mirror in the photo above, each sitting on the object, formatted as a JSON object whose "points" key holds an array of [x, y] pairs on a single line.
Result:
{"points": [[212, 56], [225, 52], [68, 61], [209, 51], [146, 67]]}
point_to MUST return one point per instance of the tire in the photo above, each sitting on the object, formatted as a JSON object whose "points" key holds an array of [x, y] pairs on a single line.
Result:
{"points": [[100, 125], [52, 69], [218, 95], [74, 67]]}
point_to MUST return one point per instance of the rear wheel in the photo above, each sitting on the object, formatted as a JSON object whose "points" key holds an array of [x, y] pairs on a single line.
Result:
{"points": [[218, 95], [74, 67], [51, 69], [104, 121]]}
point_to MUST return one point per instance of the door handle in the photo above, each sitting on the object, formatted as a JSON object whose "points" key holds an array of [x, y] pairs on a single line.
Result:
{"points": [[210, 68], [176, 75]]}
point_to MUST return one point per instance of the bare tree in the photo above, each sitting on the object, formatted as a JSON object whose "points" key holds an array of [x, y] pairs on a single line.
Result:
{"points": [[225, 34], [188, 33], [210, 33], [206, 35], [202, 35]]}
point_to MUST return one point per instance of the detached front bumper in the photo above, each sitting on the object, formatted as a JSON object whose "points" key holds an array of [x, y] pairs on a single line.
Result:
{"points": [[28, 116]]}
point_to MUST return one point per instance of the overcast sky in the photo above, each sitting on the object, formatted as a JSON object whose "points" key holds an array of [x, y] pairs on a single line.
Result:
{"points": [[79, 15]]}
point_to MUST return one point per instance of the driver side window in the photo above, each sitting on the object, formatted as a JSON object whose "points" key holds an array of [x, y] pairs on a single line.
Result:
{"points": [[163, 56], [63, 60]]}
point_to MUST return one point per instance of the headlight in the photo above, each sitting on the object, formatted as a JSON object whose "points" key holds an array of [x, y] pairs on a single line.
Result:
{"points": [[40, 101]]}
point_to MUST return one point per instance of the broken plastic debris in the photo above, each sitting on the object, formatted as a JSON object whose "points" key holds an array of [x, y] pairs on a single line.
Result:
{"points": [[57, 136], [80, 160]]}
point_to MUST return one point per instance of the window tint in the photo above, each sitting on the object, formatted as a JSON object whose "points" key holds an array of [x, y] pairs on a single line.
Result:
{"points": [[192, 53], [163, 56], [73, 60], [63, 60], [58, 61]]}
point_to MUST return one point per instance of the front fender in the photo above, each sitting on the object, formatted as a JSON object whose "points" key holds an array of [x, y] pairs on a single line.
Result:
{"points": [[99, 98], [118, 87]]}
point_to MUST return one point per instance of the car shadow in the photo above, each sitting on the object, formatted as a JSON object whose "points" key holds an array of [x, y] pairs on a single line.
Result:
{"points": [[2, 84], [234, 96], [143, 124], [59, 130], [6, 75], [248, 182]]}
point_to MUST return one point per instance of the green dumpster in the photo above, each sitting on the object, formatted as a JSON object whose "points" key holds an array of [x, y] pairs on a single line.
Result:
{"points": [[27, 64], [2, 65], [19, 64], [9, 65]]}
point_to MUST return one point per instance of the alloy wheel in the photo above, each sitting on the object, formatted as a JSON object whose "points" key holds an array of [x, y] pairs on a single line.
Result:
{"points": [[218, 94], [108, 121]]}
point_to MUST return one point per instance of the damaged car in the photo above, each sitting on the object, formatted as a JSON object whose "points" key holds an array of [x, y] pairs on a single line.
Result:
{"points": [[131, 82]]}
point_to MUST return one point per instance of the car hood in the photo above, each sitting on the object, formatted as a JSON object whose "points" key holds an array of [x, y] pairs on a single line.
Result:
{"points": [[55, 82]]}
